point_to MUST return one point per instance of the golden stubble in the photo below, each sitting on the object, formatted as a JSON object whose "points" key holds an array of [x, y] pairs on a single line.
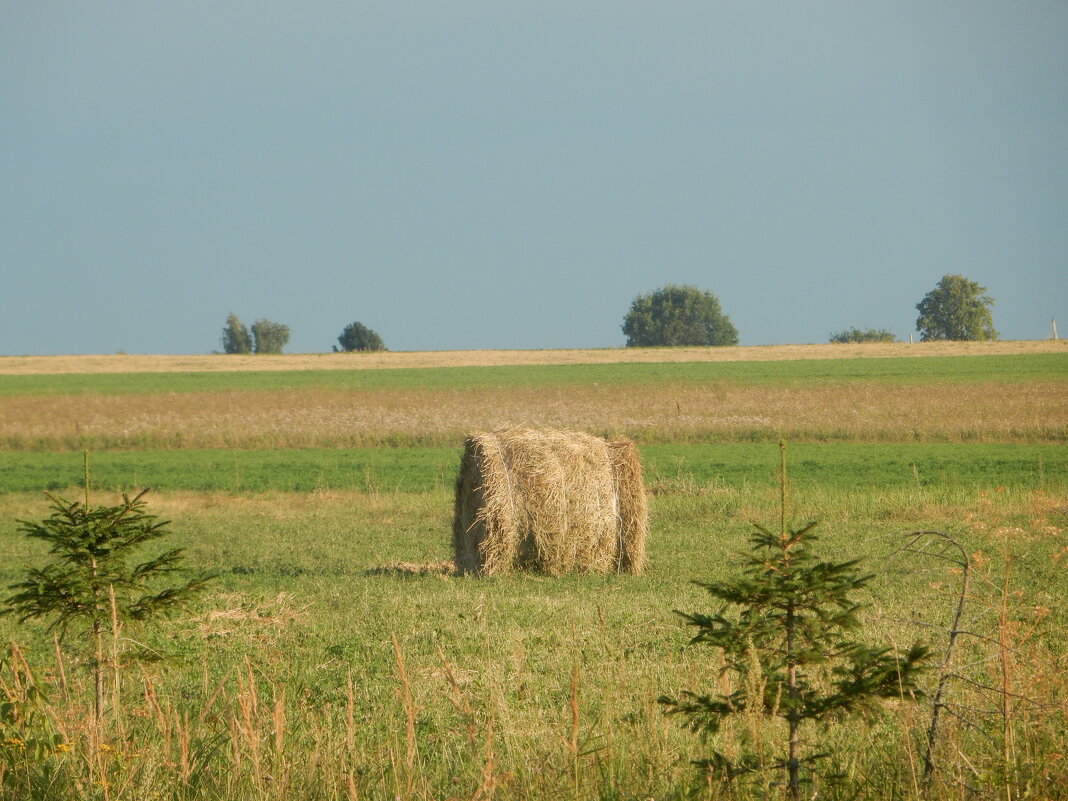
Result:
{"points": [[1032, 411], [142, 363]]}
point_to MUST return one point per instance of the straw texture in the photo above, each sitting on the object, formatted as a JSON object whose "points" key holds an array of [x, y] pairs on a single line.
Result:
{"points": [[549, 501]]}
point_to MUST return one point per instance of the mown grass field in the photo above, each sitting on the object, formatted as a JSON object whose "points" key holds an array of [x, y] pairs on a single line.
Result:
{"points": [[822, 465], [333, 657]]}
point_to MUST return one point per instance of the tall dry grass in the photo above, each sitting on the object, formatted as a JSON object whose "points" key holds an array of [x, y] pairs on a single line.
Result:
{"points": [[437, 728], [1021, 412], [347, 684]]}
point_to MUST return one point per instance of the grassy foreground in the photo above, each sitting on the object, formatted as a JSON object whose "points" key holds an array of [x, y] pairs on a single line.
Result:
{"points": [[335, 657]]}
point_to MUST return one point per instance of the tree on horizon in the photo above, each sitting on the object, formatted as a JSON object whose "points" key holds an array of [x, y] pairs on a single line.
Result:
{"points": [[358, 337], [956, 309], [235, 336], [675, 316]]}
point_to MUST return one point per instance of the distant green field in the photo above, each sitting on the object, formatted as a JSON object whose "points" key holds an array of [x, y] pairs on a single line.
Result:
{"points": [[1021, 367], [831, 466]]}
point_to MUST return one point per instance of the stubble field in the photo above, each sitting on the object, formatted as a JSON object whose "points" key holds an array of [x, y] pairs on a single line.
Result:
{"points": [[335, 657]]}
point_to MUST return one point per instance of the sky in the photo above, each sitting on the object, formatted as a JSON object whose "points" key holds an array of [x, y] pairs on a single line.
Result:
{"points": [[466, 175]]}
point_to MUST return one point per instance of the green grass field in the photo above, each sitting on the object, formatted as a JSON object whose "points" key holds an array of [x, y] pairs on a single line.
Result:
{"points": [[929, 370], [335, 658], [853, 466]]}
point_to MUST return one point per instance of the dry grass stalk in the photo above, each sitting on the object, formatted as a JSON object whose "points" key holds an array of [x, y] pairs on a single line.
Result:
{"points": [[245, 722], [456, 697], [278, 720], [349, 758], [61, 667], [573, 740], [404, 692], [550, 501], [185, 769], [162, 719], [489, 781]]}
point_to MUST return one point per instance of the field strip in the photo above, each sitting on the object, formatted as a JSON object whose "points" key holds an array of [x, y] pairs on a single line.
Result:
{"points": [[714, 467], [1025, 411], [142, 363]]}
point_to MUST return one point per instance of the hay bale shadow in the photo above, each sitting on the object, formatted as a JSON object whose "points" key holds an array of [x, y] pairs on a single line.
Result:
{"points": [[411, 569]]}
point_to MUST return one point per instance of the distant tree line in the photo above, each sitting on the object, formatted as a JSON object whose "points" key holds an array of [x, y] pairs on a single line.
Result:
{"points": [[956, 309], [674, 316], [685, 316], [266, 336]]}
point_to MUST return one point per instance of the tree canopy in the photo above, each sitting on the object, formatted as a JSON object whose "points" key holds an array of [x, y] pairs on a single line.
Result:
{"points": [[677, 315], [856, 335], [358, 337], [269, 337], [235, 336], [956, 309]]}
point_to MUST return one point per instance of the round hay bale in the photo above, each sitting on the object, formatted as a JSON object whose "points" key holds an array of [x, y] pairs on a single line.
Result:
{"points": [[549, 501]]}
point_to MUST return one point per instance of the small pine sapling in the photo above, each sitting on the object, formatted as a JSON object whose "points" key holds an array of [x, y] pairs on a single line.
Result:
{"points": [[89, 584], [788, 619]]}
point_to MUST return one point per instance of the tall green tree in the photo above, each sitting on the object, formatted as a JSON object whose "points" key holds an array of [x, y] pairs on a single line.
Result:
{"points": [[358, 337], [235, 336], [956, 309], [677, 315], [269, 337]]}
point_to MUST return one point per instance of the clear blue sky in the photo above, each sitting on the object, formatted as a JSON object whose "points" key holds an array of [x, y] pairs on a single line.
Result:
{"points": [[510, 175]]}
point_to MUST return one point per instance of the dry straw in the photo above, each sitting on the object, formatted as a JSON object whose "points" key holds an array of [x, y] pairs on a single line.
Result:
{"points": [[549, 501]]}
